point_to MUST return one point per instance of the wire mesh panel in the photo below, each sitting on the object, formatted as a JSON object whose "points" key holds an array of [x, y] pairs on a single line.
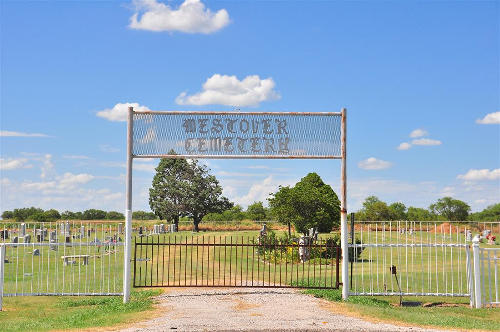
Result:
{"points": [[237, 135]]}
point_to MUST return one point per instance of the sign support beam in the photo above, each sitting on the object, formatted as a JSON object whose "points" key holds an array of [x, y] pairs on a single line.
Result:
{"points": [[343, 211], [128, 209]]}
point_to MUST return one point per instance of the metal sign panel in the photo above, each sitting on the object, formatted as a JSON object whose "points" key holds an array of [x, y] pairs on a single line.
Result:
{"points": [[263, 135]]}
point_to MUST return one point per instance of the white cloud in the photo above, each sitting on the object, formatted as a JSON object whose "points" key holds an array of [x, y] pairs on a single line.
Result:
{"points": [[108, 148], [75, 157], [426, 141], [70, 180], [374, 164], [480, 174], [228, 90], [418, 133], [190, 17], [11, 163], [404, 146], [47, 168], [5, 133], [119, 111], [491, 118]]}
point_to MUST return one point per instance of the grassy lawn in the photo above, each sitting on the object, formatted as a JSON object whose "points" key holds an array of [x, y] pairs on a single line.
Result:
{"points": [[456, 315], [61, 313]]}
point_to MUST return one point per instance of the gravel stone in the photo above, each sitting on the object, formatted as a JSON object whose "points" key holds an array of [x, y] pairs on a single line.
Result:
{"points": [[252, 309]]}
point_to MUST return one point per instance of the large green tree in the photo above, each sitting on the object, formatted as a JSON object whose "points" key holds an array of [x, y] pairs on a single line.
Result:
{"points": [[491, 213], [419, 214], [397, 211], [451, 209], [167, 192], [201, 194], [310, 203]]}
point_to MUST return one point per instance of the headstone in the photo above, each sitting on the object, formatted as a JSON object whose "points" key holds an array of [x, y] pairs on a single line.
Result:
{"points": [[263, 230], [53, 236], [27, 239], [141, 230], [22, 230], [468, 235], [162, 228], [304, 253], [68, 229], [120, 228], [36, 252], [173, 228], [82, 232], [67, 239], [4, 234], [89, 232], [39, 238], [486, 232], [15, 240]]}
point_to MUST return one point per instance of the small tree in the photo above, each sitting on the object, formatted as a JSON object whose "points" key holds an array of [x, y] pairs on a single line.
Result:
{"points": [[374, 209], [310, 203], [94, 214], [202, 194], [418, 214], [451, 209], [7, 215], [52, 214], [114, 215], [256, 211], [143, 215], [397, 211]]}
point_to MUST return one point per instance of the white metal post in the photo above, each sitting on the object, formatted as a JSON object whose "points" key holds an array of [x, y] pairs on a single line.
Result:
{"points": [[477, 272], [343, 212], [128, 210], [2, 270]]}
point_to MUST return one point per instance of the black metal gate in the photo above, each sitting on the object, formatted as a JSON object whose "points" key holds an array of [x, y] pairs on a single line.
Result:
{"points": [[210, 261]]}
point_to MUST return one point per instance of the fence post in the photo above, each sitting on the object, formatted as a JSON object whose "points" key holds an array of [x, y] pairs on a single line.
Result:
{"points": [[469, 275], [2, 269], [343, 211], [477, 271], [128, 210]]}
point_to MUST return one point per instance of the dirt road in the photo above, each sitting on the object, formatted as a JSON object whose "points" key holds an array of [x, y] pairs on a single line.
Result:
{"points": [[195, 309]]}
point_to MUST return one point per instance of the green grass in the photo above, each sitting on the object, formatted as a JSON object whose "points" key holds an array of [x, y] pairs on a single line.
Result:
{"points": [[61, 313], [460, 317]]}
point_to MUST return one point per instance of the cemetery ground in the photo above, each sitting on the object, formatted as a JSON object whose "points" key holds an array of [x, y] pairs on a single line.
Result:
{"points": [[57, 313]]}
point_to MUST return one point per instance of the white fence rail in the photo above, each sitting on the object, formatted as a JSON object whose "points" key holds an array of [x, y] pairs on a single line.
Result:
{"points": [[424, 259], [486, 279], [57, 259]]}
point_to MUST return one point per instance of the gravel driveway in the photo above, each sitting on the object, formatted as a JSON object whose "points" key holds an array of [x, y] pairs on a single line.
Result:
{"points": [[252, 309]]}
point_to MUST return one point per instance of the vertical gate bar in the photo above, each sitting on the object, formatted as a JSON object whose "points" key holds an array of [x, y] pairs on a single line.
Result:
{"points": [[376, 256], [337, 282], [248, 248], [128, 208], [451, 259], [469, 275], [202, 256], [241, 265], [274, 254], [258, 260], [197, 260], [231, 260], [180, 259], [157, 259], [213, 270], [163, 261], [343, 208], [175, 249], [436, 258], [281, 260], [168, 262], [225, 259], [191, 254], [253, 257], [135, 260], [286, 262], [495, 265], [2, 269], [185, 261]]}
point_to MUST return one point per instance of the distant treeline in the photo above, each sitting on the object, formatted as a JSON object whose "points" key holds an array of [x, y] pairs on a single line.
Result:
{"points": [[255, 211], [37, 214], [444, 209]]}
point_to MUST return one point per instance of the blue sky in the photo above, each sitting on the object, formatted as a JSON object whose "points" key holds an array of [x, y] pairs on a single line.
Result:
{"points": [[424, 69]]}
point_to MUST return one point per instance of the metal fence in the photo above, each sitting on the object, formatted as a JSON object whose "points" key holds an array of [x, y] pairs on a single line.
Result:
{"points": [[61, 259], [486, 281], [430, 258], [172, 261]]}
